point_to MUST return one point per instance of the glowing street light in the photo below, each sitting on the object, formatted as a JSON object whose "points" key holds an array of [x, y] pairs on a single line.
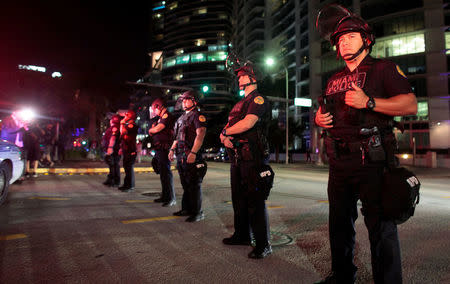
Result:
{"points": [[270, 62], [26, 115]]}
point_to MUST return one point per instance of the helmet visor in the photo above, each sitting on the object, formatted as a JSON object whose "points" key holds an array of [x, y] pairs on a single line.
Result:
{"points": [[329, 18]]}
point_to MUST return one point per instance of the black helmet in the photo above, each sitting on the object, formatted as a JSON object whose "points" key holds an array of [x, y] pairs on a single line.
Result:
{"points": [[334, 20], [158, 102], [239, 67], [189, 95]]}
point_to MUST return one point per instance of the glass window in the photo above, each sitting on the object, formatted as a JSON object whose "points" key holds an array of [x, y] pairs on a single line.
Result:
{"points": [[198, 57], [169, 62], [178, 77], [199, 42], [422, 110], [447, 42], [183, 20], [183, 59], [179, 51], [221, 67], [217, 56], [401, 45], [173, 5]]}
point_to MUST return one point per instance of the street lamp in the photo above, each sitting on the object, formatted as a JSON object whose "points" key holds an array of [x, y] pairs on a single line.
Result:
{"points": [[270, 62]]}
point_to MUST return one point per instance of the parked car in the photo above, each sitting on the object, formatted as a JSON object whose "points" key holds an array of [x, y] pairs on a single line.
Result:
{"points": [[210, 153], [222, 155], [12, 167]]}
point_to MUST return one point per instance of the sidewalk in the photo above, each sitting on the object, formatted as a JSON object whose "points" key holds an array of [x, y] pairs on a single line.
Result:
{"points": [[90, 167]]}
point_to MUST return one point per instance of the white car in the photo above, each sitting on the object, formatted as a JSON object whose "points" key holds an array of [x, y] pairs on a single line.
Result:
{"points": [[12, 166]]}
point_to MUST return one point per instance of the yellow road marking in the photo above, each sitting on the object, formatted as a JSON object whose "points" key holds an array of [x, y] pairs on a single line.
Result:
{"points": [[139, 201], [13, 237], [49, 198], [446, 196], [149, 219], [275, 207]]}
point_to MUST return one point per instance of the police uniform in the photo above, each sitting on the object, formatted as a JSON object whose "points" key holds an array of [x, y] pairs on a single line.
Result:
{"points": [[128, 145], [249, 152], [356, 169], [185, 134], [161, 143], [113, 178]]}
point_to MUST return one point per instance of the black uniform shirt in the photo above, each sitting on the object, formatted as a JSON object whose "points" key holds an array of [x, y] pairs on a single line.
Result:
{"points": [[187, 125], [253, 103], [165, 136], [128, 137], [378, 78], [106, 139]]}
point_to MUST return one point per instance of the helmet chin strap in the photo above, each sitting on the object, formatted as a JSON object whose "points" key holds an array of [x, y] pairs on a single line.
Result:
{"points": [[248, 84], [353, 56]]}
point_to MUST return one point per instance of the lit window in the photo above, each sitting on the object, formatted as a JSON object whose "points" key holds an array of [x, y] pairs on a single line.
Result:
{"points": [[221, 34], [173, 5], [223, 16], [179, 51], [447, 42], [201, 11], [220, 67], [198, 57], [401, 45], [217, 56], [200, 42], [159, 36], [183, 59], [422, 109], [212, 47], [169, 62], [178, 77]]}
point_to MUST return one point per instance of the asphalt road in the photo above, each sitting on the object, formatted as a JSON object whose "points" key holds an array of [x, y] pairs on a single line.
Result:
{"points": [[72, 229]]}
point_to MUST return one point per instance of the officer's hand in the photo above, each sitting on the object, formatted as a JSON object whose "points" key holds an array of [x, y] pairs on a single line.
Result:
{"points": [[324, 120], [109, 151], [191, 158], [227, 142], [356, 98], [171, 154], [120, 152]]}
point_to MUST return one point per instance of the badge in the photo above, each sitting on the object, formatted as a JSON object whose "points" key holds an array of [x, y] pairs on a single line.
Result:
{"points": [[259, 100], [400, 71], [202, 118], [165, 116]]}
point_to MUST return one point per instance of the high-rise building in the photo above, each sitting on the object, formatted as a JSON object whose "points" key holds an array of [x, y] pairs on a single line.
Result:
{"points": [[194, 38]]}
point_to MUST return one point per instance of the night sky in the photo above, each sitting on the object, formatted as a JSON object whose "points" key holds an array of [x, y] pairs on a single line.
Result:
{"points": [[98, 45]]}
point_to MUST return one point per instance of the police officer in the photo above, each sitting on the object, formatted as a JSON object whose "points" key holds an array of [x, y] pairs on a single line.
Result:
{"points": [[128, 132], [244, 136], [356, 111], [111, 145], [190, 130], [162, 136]]}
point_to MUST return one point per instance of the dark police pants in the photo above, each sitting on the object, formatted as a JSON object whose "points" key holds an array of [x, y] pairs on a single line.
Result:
{"points": [[349, 181], [113, 161], [250, 212], [128, 166], [192, 186], [165, 175]]}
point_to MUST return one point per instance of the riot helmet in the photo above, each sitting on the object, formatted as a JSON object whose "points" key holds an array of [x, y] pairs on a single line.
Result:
{"points": [[115, 120], [240, 67], [334, 21], [188, 95]]}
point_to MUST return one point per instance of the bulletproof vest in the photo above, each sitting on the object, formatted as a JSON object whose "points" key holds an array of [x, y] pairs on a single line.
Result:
{"points": [[165, 136], [257, 135], [185, 130], [347, 121]]}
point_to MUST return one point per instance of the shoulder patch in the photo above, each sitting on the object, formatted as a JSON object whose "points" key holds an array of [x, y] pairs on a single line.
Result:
{"points": [[202, 118], [165, 116], [400, 71], [259, 100], [130, 125]]}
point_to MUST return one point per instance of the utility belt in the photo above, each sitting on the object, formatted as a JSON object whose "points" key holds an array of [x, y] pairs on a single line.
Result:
{"points": [[372, 144], [242, 151], [183, 148], [161, 146]]}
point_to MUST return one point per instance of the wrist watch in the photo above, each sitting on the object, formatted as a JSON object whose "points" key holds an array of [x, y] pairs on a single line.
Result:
{"points": [[370, 105], [224, 132]]}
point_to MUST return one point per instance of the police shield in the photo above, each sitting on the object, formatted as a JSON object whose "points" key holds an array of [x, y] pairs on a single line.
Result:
{"points": [[329, 18]]}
